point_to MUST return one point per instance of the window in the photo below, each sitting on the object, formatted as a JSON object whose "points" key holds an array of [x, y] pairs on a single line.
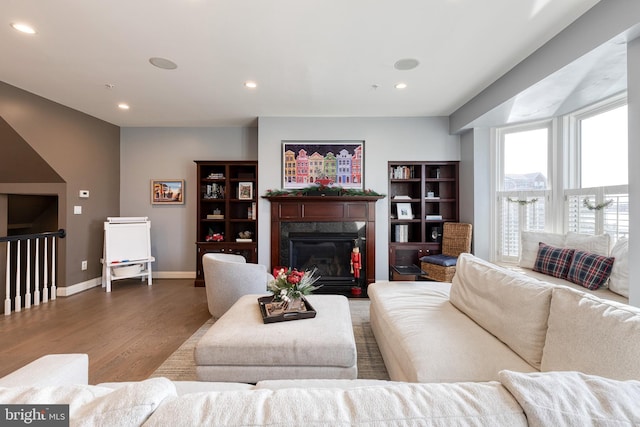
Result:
{"points": [[522, 184], [578, 184], [598, 202]]}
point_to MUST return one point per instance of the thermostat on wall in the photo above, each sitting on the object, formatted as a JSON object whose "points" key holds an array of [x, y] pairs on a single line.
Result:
{"points": [[84, 194]]}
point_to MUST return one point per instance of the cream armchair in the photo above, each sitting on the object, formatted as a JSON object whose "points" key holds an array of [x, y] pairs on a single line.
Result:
{"points": [[227, 277]]}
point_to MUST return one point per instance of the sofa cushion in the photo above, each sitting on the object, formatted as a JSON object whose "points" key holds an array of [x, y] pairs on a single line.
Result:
{"points": [[589, 270], [619, 279], [130, 405], [529, 244], [592, 335], [509, 305], [574, 399], [598, 244], [424, 338], [399, 404], [553, 261]]}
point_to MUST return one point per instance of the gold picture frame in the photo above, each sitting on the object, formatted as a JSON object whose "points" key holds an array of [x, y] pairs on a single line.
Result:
{"points": [[167, 191]]}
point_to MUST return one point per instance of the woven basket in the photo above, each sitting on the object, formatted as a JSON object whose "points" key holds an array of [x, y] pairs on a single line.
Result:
{"points": [[456, 239]]}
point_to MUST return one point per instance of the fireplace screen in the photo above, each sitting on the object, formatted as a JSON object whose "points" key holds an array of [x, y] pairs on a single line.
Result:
{"points": [[328, 253]]}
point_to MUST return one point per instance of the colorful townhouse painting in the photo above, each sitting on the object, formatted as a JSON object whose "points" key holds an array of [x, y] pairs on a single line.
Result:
{"points": [[338, 164]]}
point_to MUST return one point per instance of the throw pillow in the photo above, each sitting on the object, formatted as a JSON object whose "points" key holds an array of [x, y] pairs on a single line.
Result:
{"points": [[553, 261], [619, 279], [589, 270], [574, 399], [529, 241], [596, 244]]}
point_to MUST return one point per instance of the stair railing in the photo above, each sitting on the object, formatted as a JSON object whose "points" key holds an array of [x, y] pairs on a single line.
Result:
{"points": [[39, 277]]}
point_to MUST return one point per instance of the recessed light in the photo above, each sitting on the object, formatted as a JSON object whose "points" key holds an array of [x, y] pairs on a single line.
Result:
{"points": [[406, 64], [400, 86], [251, 85], [123, 106], [23, 28], [163, 63]]}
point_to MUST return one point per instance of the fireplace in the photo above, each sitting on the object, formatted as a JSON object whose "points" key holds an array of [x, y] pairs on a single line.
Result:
{"points": [[329, 227], [328, 253]]}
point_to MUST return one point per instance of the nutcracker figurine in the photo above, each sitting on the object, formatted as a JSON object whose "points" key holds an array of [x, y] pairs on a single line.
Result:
{"points": [[356, 263]]}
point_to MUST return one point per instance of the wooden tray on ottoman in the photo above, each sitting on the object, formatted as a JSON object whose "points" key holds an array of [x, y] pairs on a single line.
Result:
{"points": [[264, 302]]}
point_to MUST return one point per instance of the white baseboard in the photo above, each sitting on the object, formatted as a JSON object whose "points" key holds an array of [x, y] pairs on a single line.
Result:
{"points": [[78, 287], [173, 274], [92, 283]]}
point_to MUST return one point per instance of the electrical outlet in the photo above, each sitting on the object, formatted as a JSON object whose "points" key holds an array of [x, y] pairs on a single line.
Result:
{"points": [[84, 265]]}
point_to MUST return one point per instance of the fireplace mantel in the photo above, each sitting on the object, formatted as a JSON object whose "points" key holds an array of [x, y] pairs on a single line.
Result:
{"points": [[325, 209]]}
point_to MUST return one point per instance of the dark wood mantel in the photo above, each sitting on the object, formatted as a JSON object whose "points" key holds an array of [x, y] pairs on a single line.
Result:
{"points": [[329, 209]]}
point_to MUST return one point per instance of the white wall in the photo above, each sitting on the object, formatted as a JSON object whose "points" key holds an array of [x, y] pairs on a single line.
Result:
{"points": [[385, 139], [168, 153]]}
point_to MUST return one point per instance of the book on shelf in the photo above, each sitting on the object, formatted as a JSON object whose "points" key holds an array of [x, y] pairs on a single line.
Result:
{"points": [[402, 233], [432, 198], [215, 216], [399, 197], [402, 172], [243, 240], [433, 217]]}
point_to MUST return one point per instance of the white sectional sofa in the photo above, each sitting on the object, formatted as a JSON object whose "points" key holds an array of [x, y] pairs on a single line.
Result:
{"points": [[538, 399], [495, 348], [490, 319]]}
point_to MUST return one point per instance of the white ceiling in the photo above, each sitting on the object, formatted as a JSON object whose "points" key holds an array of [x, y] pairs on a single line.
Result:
{"points": [[309, 58]]}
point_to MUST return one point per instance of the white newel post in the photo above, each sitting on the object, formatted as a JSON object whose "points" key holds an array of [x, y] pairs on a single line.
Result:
{"points": [[45, 287], [27, 295], [53, 268], [36, 294], [18, 299], [7, 299]]}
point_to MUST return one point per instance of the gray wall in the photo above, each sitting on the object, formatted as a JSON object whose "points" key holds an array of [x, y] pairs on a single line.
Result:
{"points": [[84, 151], [168, 153], [385, 139], [633, 63], [475, 188]]}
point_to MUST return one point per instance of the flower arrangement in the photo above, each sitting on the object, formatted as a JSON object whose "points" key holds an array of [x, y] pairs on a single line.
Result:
{"points": [[291, 284]]}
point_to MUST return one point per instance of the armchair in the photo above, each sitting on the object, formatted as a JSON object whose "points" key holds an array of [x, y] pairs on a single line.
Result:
{"points": [[227, 277], [456, 239]]}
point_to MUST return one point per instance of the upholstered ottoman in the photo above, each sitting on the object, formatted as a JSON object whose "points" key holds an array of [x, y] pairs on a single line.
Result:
{"points": [[240, 347]]}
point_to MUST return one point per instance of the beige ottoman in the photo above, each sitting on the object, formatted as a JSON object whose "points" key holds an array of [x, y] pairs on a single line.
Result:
{"points": [[239, 347]]}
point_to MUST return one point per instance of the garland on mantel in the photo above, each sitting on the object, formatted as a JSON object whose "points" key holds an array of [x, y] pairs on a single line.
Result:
{"points": [[315, 189], [597, 207]]}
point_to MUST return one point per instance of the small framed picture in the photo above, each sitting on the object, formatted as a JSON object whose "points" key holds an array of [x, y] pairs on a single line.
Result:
{"points": [[245, 190], [167, 191], [404, 211]]}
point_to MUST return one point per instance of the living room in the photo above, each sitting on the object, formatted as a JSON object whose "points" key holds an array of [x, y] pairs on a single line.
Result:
{"points": [[102, 164], [131, 156]]}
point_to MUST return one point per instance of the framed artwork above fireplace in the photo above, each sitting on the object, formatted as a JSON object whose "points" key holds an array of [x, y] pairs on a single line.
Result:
{"points": [[326, 163]]}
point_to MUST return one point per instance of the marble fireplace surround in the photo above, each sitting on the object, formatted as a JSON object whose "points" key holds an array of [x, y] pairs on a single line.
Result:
{"points": [[351, 214]]}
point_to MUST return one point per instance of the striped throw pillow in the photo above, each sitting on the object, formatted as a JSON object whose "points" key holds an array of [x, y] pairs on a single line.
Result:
{"points": [[553, 261], [590, 270]]}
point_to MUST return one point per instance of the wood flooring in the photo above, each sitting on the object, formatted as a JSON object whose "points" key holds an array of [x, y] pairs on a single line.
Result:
{"points": [[127, 333]]}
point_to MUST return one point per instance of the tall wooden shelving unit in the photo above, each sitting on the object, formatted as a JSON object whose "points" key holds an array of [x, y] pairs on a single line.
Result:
{"points": [[432, 191], [223, 213]]}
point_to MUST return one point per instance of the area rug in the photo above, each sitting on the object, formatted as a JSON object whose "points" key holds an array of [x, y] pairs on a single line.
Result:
{"points": [[180, 366]]}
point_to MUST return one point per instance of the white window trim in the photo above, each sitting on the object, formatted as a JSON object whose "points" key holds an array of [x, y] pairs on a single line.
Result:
{"points": [[497, 167]]}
